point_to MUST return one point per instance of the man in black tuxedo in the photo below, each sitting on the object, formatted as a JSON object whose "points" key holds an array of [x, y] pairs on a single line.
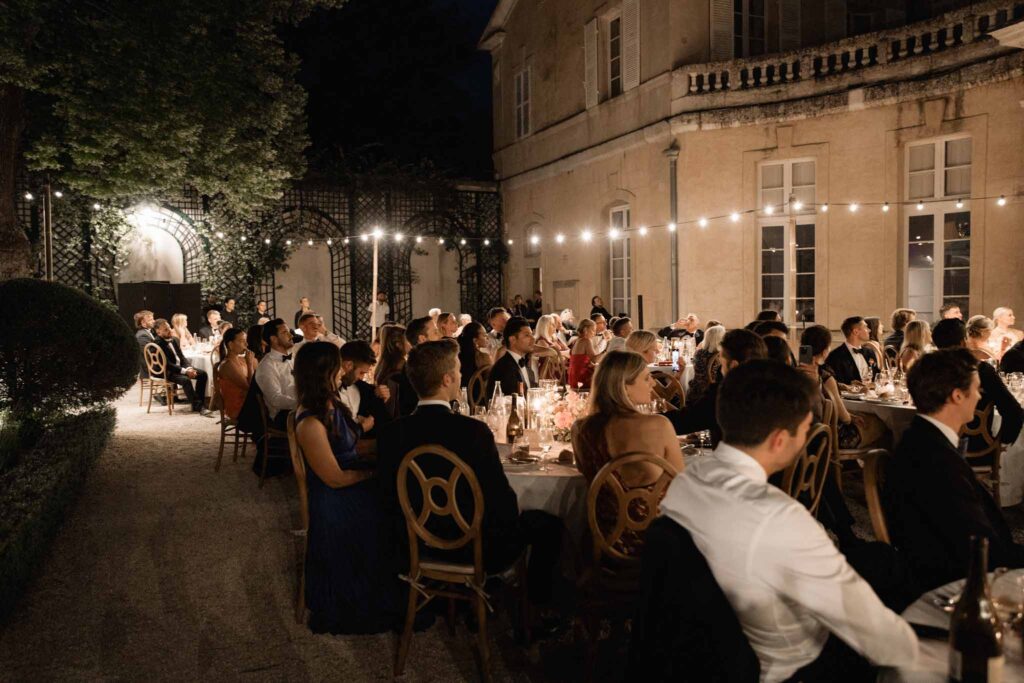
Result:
{"points": [[1013, 359], [850, 361], [433, 369], [684, 327], [362, 399], [934, 502], [209, 330], [178, 369], [513, 368]]}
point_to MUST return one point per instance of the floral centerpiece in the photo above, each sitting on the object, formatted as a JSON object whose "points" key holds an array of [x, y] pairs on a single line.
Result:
{"points": [[565, 413]]}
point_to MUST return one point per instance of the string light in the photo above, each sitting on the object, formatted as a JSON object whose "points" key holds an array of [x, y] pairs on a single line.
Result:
{"points": [[853, 207], [510, 243], [560, 238], [1002, 200], [345, 241], [58, 194], [959, 203], [885, 207], [377, 232], [364, 237], [703, 222], [288, 242], [534, 240], [440, 240], [671, 227], [824, 208], [96, 206], [734, 217], [920, 206], [462, 241], [220, 235], [243, 239], [643, 231], [418, 239], [487, 243], [613, 234], [398, 237], [309, 242], [28, 196], [797, 205], [266, 241], [586, 235], [769, 209], [330, 241]]}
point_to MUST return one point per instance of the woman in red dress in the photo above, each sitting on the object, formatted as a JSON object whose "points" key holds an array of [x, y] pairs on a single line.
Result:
{"points": [[235, 372], [581, 359]]}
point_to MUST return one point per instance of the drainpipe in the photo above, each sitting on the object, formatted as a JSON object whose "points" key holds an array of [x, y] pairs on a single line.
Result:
{"points": [[673, 236]]}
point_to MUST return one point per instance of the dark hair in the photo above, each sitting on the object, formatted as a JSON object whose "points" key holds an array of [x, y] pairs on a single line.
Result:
{"points": [[752, 325], [358, 352], [595, 316], [229, 336], [316, 370], [850, 323], [392, 352], [949, 333], [513, 326], [270, 330], [428, 362], [759, 397], [496, 311], [769, 314], [710, 324], [306, 316], [619, 324], [778, 350], [230, 298], [467, 349], [416, 328], [946, 308], [593, 299], [743, 346], [900, 318], [160, 322], [254, 337], [261, 301], [764, 327], [818, 337], [935, 375], [873, 324]]}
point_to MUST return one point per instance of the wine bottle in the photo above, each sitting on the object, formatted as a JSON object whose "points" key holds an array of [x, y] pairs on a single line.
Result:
{"points": [[514, 426], [975, 634]]}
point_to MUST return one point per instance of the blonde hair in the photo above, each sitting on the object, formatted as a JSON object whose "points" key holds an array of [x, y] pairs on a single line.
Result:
{"points": [[545, 328], [977, 324], [917, 335], [178, 320], [608, 395], [640, 340], [585, 325], [712, 338], [999, 313]]}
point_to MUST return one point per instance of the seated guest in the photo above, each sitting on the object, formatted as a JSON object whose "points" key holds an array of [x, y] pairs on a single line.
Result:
{"points": [[178, 368], [473, 346], [933, 500], [602, 335], [235, 372], [274, 373], [310, 329], [545, 334], [768, 314], [351, 574], [144, 335], [615, 428], [851, 362], [684, 327], [899, 320], [949, 334], [622, 328], [209, 330], [421, 330], [513, 368], [1005, 334], [360, 398], [325, 335], [703, 360], [948, 311], [645, 343], [772, 328], [254, 341], [230, 314], [390, 371], [433, 369], [223, 327], [447, 325], [1013, 359], [778, 350], [464, 319], [179, 326], [979, 330], [497, 318], [875, 329], [806, 612], [567, 321], [917, 341], [582, 356]]}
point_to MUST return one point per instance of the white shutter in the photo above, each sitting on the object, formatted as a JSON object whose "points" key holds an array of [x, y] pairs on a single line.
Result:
{"points": [[835, 20], [590, 66], [721, 30], [630, 44], [789, 25]]}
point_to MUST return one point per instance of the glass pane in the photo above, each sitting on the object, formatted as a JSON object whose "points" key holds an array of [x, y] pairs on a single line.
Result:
{"points": [[737, 26], [805, 286], [922, 157], [771, 261], [805, 261], [921, 228], [805, 195], [617, 289], [921, 255], [956, 282], [615, 69], [616, 219], [958, 181], [803, 173], [771, 286], [962, 301], [756, 30], [614, 29], [772, 237], [772, 198], [771, 176], [805, 235], [772, 305], [616, 249], [757, 7], [958, 254], [617, 268], [804, 310], [922, 185], [958, 152], [957, 226], [737, 6]]}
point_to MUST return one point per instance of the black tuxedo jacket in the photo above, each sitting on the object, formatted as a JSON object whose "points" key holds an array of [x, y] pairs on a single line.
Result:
{"points": [[934, 503], [174, 366], [205, 332], [506, 371], [993, 390], [699, 416], [669, 333], [1013, 359], [842, 365], [370, 405], [894, 339], [473, 442]]}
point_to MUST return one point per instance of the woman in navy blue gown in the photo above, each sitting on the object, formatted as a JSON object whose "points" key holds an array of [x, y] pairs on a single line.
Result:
{"points": [[351, 578]]}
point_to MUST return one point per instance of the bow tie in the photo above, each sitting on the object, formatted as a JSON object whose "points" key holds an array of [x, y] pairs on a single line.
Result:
{"points": [[860, 351], [288, 357], [522, 362]]}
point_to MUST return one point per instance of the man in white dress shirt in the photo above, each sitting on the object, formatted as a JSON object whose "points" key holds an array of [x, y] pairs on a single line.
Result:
{"points": [[806, 612], [381, 311], [313, 329], [274, 373], [622, 328]]}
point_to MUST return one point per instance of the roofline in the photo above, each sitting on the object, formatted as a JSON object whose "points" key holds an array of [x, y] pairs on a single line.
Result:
{"points": [[494, 34]]}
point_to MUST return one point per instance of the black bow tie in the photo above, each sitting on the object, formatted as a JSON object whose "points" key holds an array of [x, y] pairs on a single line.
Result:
{"points": [[523, 362], [860, 351], [288, 357]]}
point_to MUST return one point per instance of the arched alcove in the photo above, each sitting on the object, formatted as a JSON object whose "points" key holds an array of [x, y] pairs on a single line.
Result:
{"points": [[162, 245]]}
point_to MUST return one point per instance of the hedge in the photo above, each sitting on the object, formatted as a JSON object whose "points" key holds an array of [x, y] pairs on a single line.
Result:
{"points": [[37, 493]]}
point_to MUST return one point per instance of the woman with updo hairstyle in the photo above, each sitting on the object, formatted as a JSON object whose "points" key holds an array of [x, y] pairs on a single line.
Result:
{"points": [[351, 577], [235, 371], [473, 355], [979, 333], [645, 343]]}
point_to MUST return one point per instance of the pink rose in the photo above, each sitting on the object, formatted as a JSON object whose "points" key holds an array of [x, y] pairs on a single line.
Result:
{"points": [[563, 419]]}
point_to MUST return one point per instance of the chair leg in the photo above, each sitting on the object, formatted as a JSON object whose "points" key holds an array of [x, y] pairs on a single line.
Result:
{"points": [[406, 638], [485, 650], [266, 457], [170, 394], [220, 452], [142, 390], [150, 405]]}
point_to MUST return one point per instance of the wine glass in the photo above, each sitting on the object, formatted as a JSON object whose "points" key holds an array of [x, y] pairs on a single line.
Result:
{"points": [[1008, 597], [705, 441]]}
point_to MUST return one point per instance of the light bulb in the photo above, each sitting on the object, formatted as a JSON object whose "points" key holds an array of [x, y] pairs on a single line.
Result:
{"points": [[885, 207], [510, 243], [487, 243], [534, 240], [419, 238], [242, 238], [440, 241], [853, 207], [797, 205], [769, 209], [703, 222], [58, 194], [671, 227], [364, 237], [586, 235], [643, 231], [463, 241], [329, 241], [920, 206], [377, 232], [266, 241], [824, 208], [28, 196], [560, 238], [309, 242], [1002, 200], [345, 241], [399, 237], [959, 203], [288, 242], [613, 234], [734, 217], [96, 206], [220, 235]]}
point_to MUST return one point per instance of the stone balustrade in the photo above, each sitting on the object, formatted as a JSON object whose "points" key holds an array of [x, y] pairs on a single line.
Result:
{"points": [[952, 29]]}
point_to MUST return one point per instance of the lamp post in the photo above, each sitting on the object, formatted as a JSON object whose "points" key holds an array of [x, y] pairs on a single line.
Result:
{"points": [[373, 301]]}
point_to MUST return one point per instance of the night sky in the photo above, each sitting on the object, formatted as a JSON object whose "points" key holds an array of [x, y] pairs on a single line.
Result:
{"points": [[398, 81]]}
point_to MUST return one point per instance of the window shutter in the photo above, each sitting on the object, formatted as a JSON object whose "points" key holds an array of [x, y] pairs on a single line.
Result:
{"points": [[630, 44], [590, 66], [835, 20], [789, 25], [721, 30]]}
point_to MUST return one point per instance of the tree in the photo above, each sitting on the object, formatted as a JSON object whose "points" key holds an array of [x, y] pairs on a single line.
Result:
{"points": [[121, 98]]}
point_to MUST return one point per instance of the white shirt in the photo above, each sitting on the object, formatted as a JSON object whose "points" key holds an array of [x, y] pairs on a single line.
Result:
{"points": [[781, 573], [522, 370], [350, 397], [858, 358], [274, 377], [617, 344], [947, 431], [380, 313], [430, 402], [600, 343]]}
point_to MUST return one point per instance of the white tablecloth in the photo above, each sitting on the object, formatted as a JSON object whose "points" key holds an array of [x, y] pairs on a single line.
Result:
{"points": [[559, 489], [688, 373], [933, 655], [896, 417], [201, 361]]}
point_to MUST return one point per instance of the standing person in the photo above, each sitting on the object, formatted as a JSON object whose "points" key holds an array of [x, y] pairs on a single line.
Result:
{"points": [[230, 314], [178, 368], [235, 372], [582, 356], [274, 373], [380, 311], [536, 306], [519, 309], [900, 318], [597, 306], [850, 362], [806, 612], [261, 309], [304, 307], [513, 368]]}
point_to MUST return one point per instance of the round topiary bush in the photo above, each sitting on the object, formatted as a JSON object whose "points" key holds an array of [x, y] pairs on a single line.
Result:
{"points": [[60, 350]]}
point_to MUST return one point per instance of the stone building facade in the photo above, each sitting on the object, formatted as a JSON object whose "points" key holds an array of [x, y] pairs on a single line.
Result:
{"points": [[825, 158]]}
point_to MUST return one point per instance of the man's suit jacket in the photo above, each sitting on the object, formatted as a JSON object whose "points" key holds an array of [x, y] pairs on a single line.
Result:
{"points": [[934, 502], [175, 367], [842, 365], [894, 339], [370, 405], [993, 390], [473, 442], [669, 333], [506, 371], [1013, 359], [699, 416], [143, 336]]}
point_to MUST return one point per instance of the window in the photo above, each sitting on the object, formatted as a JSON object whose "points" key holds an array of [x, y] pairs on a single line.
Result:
{"points": [[615, 57], [531, 245], [787, 263], [939, 169], [522, 93], [621, 265], [748, 28], [783, 180]]}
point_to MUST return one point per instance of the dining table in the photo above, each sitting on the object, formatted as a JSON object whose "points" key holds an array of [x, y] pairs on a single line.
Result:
{"points": [[200, 360], [896, 415]]}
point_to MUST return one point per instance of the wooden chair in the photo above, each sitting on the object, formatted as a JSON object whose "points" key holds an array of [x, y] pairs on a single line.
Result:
{"points": [[839, 455], [609, 586], [892, 355], [875, 463], [229, 432], [144, 383], [156, 365], [299, 466], [883, 362], [477, 388], [429, 578], [668, 387], [989, 454], [804, 480], [269, 434]]}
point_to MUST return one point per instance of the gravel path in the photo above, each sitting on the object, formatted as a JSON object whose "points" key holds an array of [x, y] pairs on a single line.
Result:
{"points": [[166, 570]]}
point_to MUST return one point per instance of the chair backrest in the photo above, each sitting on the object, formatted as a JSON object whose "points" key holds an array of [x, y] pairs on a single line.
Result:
{"points": [[634, 507], [156, 361], [264, 414], [804, 480], [892, 355], [668, 387], [981, 426], [877, 348], [549, 364], [477, 387], [416, 522], [299, 467], [876, 461]]}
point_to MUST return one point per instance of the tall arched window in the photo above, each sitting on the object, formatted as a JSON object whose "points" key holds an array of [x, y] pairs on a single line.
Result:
{"points": [[621, 263]]}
